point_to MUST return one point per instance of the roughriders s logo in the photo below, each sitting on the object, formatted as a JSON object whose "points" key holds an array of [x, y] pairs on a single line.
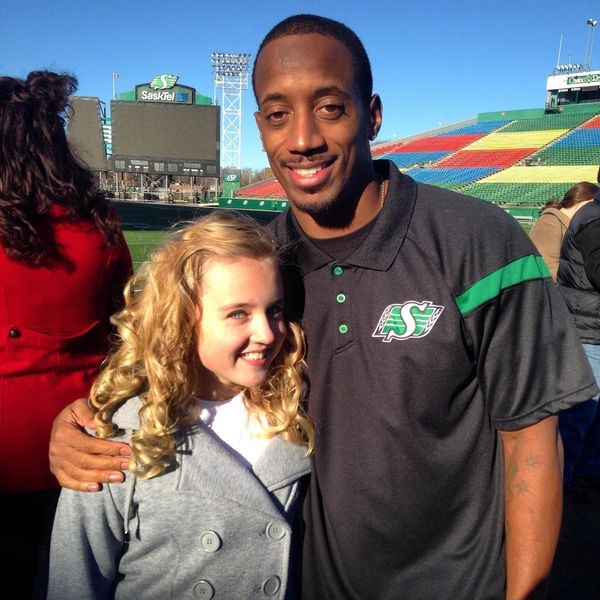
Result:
{"points": [[163, 82], [409, 320]]}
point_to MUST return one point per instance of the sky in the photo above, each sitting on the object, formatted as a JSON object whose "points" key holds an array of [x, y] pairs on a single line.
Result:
{"points": [[434, 63]]}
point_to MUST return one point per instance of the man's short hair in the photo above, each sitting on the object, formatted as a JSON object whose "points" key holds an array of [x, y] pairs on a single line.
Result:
{"points": [[305, 24]]}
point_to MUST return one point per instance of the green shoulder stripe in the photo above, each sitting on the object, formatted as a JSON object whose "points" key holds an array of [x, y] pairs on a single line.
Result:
{"points": [[523, 269]]}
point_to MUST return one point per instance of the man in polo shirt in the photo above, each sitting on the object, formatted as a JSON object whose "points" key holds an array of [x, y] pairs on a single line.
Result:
{"points": [[435, 344]]}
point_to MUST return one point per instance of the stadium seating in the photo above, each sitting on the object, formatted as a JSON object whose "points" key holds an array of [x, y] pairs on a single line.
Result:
{"points": [[450, 178], [440, 142], [578, 138], [504, 140], [548, 122], [544, 174], [530, 185], [483, 127], [265, 189], [571, 157], [593, 123], [387, 148], [485, 158], [580, 146], [568, 156], [517, 194], [404, 160], [429, 149]]}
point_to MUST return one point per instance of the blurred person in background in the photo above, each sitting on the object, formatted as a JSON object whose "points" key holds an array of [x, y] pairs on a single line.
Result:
{"points": [[579, 284], [549, 230], [63, 266]]}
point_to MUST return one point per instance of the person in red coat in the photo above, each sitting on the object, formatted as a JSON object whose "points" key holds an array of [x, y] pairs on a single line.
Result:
{"points": [[63, 266]]}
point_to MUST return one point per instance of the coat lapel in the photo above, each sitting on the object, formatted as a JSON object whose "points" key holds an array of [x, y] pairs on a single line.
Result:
{"points": [[207, 466], [281, 464], [213, 468]]}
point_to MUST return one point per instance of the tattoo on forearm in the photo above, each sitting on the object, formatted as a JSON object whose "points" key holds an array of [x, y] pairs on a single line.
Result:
{"points": [[518, 486], [511, 473]]}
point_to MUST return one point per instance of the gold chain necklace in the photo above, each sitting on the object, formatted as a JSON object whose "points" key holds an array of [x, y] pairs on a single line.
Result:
{"points": [[383, 185]]}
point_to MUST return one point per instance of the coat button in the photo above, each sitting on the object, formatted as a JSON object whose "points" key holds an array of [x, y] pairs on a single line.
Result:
{"points": [[275, 531], [210, 541], [204, 590], [14, 333], [271, 586]]}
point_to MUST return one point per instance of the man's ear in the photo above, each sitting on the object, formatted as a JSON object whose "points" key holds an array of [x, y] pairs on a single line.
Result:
{"points": [[375, 116]]}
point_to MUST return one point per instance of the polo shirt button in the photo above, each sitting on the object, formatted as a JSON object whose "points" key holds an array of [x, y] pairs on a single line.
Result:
{"points": [[275, 531], [14, 333], [341, 298], [343, 328], [210, 541], [204, 590], [271, 586], [337, 270]]}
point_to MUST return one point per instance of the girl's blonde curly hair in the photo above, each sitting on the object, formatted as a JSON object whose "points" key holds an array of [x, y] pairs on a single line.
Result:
{"points": [[155, 356]]}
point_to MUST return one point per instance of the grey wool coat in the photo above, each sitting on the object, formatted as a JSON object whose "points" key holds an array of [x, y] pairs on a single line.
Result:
{"points": [[210, 528]]}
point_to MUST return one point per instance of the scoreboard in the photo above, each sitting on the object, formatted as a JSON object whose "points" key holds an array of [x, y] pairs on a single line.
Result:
{"points": [[84, 132], [161, 138]]}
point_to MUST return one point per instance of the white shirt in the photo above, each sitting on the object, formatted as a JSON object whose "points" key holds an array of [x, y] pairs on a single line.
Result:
{"points": [[232, 423]]}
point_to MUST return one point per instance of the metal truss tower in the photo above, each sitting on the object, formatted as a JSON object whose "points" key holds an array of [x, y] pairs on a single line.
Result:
{"points": [[231, 76]]}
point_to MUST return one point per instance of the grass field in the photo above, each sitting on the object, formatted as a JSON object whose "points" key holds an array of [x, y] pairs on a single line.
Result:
{"points": [[141, 242], [146, 225]]}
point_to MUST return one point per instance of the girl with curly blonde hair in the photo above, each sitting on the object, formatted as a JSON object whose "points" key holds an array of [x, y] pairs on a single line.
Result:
{"points": [[205, 383]]}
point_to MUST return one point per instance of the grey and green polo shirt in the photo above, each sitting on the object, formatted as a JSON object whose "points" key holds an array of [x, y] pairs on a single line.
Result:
{"points": [[439, 329]]}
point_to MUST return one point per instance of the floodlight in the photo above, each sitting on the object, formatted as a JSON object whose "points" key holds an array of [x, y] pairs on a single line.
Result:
{"points": [[230, 72]]}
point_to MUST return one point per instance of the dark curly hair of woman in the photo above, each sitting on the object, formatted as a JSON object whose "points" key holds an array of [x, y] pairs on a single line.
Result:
{"points": [[38, 169]]}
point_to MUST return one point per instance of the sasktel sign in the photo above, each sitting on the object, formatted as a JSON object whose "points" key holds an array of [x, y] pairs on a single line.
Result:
{"points": [[164, 89]]}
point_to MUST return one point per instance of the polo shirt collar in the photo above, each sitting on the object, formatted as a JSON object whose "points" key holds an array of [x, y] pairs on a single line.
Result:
{"points": [[385, 239]]}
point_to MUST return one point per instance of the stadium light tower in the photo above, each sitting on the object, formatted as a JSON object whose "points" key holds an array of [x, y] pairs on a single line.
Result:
{"points": [[231, 76], [589, 46]]}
